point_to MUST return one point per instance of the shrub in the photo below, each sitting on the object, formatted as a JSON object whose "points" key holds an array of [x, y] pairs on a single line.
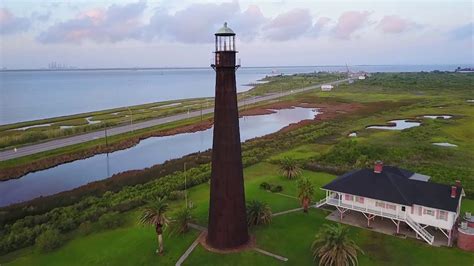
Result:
{"points": [[258, 212], [85, 228], [265, 185], [177, 195], [110, 220], [49, 240], [276, 188], [289, 168], [183, 217]]}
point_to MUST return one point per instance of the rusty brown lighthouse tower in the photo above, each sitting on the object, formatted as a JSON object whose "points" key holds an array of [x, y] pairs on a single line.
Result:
{"points": [[227, 214]]}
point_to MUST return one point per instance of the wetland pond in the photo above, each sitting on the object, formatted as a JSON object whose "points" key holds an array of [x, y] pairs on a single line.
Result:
{"points": [[148, 152], [396, 125], [445, 144], [438, 116]]}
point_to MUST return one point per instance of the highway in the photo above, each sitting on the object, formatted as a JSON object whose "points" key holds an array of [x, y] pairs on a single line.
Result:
{"points": [[63, 142]]}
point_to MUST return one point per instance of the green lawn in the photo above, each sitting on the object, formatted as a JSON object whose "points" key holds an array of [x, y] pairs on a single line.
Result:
{"points": [[401, 96], [132, 244], [289, 235]]}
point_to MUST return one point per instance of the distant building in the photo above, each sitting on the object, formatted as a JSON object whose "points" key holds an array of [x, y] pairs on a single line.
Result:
{"points": [[361, 77], [399, 195], [326, 87]]}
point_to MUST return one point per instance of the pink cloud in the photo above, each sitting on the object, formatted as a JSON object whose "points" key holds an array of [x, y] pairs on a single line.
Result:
{"points": [[395, 24], [96, 15], [113, 24], [349, 22], [249, 22], [289, 25], [10, 24], [320, 24]]}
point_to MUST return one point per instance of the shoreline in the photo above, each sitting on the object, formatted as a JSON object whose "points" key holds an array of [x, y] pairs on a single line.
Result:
{"points": [[43, 164], [329, 112]]}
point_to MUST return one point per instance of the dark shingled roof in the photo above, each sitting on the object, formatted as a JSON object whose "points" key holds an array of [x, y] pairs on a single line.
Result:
{"points": [[394, 185]]}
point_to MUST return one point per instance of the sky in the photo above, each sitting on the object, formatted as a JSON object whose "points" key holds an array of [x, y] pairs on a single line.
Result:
{"points": [[169, 33]]}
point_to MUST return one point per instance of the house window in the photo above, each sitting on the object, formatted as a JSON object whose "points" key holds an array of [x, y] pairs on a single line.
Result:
{"points": [[403, 208], [443, 215], [390, 206], [428, 212], [380, 204], [360, 199], [349, 197]]}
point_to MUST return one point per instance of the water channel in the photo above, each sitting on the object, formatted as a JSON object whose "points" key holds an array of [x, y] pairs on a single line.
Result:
{"points": [[147, 153]]}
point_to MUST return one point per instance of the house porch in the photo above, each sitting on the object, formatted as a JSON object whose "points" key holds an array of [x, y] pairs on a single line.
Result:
{"points": [[385, 225]]}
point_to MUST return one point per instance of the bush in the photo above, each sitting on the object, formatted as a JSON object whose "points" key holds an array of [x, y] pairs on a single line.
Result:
{"points": [[177, 195], [85, 228], [258, 212], [277, 188], [110, 220], [265, 186], [49, 240], [271, 187]]}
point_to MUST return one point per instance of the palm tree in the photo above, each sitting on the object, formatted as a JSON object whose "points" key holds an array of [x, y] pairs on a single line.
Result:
{"points": [[290, 168], [155, 214], [183, 217], [305, 192], [258, 213], [333, 247]]}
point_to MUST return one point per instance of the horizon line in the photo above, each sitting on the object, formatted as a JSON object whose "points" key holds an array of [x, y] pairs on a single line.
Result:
{"points": [[4, 69]]}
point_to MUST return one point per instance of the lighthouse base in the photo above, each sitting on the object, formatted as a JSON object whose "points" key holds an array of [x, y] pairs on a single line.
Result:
{"points": [[247, 246]]}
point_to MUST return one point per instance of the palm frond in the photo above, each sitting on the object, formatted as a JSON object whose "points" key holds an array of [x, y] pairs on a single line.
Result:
{"points": [[258, 213], [155, 213], [333, 247]]}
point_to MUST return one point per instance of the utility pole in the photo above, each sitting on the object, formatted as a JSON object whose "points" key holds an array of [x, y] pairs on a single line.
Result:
{"points": [[106, 138], [185, 186], [131, 118]]}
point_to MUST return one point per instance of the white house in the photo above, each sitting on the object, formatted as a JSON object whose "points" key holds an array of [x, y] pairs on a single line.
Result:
{"points": [[326, 87], [399, 195], [361, 77]]}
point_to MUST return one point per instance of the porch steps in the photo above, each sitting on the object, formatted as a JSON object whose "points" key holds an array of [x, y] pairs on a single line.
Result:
{"points": [[320, 203], [420, 230]]}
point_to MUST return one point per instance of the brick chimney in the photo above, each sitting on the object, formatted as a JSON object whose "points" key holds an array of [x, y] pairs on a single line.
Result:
{"points": [[454, 190], [378, 167]]}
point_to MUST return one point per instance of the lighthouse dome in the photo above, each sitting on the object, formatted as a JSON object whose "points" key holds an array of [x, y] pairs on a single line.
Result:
{"points": [[225, 31]]}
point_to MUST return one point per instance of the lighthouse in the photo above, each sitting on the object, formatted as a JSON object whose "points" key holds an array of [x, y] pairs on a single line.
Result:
{"points": [[227, 213]]}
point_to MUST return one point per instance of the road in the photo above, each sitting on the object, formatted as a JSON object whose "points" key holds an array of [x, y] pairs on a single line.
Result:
{"points": [[63, 142]]}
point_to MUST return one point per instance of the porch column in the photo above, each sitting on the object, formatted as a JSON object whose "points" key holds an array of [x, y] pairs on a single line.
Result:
{"points": [[449, 237]]}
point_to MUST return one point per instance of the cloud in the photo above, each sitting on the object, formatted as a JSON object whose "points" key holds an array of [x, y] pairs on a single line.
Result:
{"points": [[463, 32], [197, 23], [10, 24], [320, 24], [349, 22], [194, 24], [116, 23], [248, 23], [289, 25], [42, 17], [395, 24]]}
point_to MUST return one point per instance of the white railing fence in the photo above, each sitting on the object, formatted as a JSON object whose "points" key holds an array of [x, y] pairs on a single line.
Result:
{"points": [[402, 217], [320, 203], [420, 230]]}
